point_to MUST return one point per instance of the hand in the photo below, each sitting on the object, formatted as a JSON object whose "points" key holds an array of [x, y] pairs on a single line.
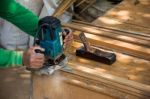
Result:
{"points": [[68, 37], [34, 60]]}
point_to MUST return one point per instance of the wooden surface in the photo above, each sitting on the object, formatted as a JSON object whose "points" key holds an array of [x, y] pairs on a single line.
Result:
{"points": [[14, 84], [57, 87], [131, 19], [84, 78], [127, 78], [65, 4], [126, 66], [111, 43], [128, 16]]}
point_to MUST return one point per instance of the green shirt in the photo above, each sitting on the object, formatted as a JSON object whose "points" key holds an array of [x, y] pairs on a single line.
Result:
{"points": [[22, 18]]}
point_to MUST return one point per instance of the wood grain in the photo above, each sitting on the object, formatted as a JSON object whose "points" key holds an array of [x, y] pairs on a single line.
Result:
{"points": [[56, 87], [127, 16], [63, 7], [111, 44], [126, 66]]}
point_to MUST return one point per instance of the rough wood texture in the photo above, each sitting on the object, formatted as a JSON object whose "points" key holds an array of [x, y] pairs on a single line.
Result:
{"points": [[110, 33], [14, 84], [63, 7], [126, 66], [128, 75], [112, 44], [57, 87], [144, 33], [96, 86], [127, 78], [128, 16], [132, 39]]}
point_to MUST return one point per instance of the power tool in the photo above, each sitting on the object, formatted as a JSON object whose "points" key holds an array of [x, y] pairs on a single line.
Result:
{"points": [[49, 36], [92, 53]]}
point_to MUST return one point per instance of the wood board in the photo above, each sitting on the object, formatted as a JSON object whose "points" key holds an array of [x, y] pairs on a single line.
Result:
{"points": [[128, 16], [84, 79], [57, 87], [14, 83], [86, 74]]}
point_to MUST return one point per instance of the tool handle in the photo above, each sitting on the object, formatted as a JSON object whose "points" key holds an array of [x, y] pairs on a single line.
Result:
{"points": [[39, 51], [66, 32], [84, 41], [35, 69]]}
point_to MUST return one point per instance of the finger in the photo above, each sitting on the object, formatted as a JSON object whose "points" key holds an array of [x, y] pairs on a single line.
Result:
{"points": [[68, 41], [69, 37], [37, 55], [36, 66], [38, 62]]}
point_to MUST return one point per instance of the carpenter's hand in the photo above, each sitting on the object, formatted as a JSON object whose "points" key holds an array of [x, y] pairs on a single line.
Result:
{"points": [[31, 59], [68, 37]]}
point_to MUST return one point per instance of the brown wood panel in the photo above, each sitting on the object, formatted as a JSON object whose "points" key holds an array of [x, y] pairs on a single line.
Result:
{"points": [[89, 78], [135, 38], [118, 83], [14, 84], [65, 4], [127, 78], [128, 16], [62, 86], [126, 66], [118, 30], [56, 87], [97, 86], [111, 44]]}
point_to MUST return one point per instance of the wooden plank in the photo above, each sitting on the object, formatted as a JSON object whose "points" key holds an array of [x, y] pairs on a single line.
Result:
{"points": [[14, 83], [127, 16], [113, 29], [131, 87], [57, 87], [130, 13], [111, 44], [118, 35], [138, 51], [81, 2], [97, 86], [87, 6], [94, 68], [128, 67], [62, 86], [63, 7]]}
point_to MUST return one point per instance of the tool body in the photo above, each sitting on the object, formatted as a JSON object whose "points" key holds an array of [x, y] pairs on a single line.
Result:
{"points": [[49, 36], [92, 53]]}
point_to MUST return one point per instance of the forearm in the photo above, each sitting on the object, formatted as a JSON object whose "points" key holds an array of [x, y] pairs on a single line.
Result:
{"points": [[19, 16], [10, 58]]}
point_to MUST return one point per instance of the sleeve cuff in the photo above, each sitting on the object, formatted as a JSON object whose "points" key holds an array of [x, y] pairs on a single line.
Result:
{"points": [[17, 59]]}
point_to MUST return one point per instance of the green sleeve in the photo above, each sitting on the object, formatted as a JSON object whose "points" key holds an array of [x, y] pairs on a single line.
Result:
{"points": [[10, 58], [19, 16], [22, 18]]}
